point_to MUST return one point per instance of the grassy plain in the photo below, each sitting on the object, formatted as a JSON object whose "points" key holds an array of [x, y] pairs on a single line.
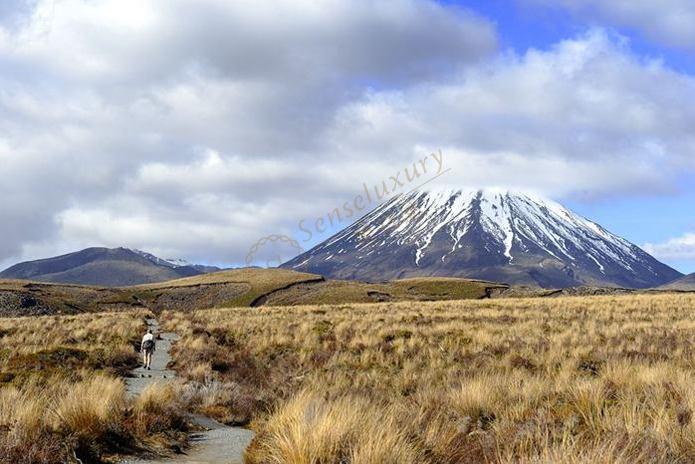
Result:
{"points": [[604, 379], [584, 379]]}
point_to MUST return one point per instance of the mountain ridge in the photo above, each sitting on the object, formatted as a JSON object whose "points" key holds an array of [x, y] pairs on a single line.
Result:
{"points": [[108, 267], [685, 283], [492, 234]]}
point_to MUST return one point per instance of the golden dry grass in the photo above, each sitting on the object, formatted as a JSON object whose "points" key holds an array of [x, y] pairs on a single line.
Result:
{"points": [[61, 399], [259, 277], [578, 380], [63, 344], [59, 419]]}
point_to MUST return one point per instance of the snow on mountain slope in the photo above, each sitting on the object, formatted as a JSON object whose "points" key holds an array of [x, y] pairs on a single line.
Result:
{"points": [[491, 234], [172, 263], [180, 265]]}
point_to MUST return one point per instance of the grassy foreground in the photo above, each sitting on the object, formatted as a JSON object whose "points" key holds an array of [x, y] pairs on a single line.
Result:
{"points": [[606, 379], [61, 398]]}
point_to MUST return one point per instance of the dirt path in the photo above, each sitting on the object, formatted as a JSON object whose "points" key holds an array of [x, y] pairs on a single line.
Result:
{"points": [[218, 443]]}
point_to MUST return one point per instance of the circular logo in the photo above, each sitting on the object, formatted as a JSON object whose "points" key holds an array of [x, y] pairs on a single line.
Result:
{"points": [[273, 250]]}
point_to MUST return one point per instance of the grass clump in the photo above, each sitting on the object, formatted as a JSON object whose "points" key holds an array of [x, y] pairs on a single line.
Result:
{"points": [[57, 420]]}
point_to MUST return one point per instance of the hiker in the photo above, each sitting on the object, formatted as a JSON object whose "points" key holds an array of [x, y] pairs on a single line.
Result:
{"points": [[147, 348]]}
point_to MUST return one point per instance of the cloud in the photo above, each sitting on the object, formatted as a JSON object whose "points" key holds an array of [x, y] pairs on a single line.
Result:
{"points": [[668, 22], [14, 12], [107, 42], [121, 120], [586, 117], [192, 129], [679, 248]]}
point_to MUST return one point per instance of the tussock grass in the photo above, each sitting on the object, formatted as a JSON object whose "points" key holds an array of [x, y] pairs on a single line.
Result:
{"points": [[57, 420], [578, 380], [343, 429], [61, 399], [65, 344], [158, 416]]}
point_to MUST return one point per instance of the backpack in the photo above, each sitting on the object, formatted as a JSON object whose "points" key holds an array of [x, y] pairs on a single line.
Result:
{"points": [[148, 345]]}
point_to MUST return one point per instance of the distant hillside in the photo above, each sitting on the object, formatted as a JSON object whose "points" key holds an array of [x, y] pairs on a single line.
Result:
{"points": [[686, 283], [232, 288], [238, 287], [415, 289], [282, 287], [105, 267], [235, 287], [25, 298]]}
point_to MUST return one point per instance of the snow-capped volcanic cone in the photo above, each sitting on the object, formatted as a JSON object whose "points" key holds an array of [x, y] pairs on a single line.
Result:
{"points": [[487, 234]]}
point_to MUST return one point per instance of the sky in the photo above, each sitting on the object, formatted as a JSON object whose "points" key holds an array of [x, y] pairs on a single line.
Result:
{"points": [[197, 129]]}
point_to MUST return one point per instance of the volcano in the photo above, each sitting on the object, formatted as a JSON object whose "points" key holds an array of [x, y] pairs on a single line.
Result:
{"points": [[497, 235]]}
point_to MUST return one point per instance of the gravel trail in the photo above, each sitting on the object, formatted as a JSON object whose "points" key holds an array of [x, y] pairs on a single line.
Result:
{"points": [[218, 443]]}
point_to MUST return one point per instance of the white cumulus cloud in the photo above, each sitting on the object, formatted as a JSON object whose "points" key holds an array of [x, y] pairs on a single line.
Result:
{"points": [[586, 116], [110, 109], [669, 22], [678, 248]]}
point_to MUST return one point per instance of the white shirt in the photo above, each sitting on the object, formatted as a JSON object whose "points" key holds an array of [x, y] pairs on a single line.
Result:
{"points": [[148, 336]]}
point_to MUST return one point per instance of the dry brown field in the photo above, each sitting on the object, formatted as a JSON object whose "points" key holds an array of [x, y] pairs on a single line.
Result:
{"points": [[604, 379]]}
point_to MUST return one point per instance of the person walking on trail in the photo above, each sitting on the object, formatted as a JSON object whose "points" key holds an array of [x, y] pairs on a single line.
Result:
{"points": [[147, 348]]}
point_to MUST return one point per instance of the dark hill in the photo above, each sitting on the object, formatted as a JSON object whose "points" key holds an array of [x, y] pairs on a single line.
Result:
{"points": [[686, 283], [107, 267]]}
